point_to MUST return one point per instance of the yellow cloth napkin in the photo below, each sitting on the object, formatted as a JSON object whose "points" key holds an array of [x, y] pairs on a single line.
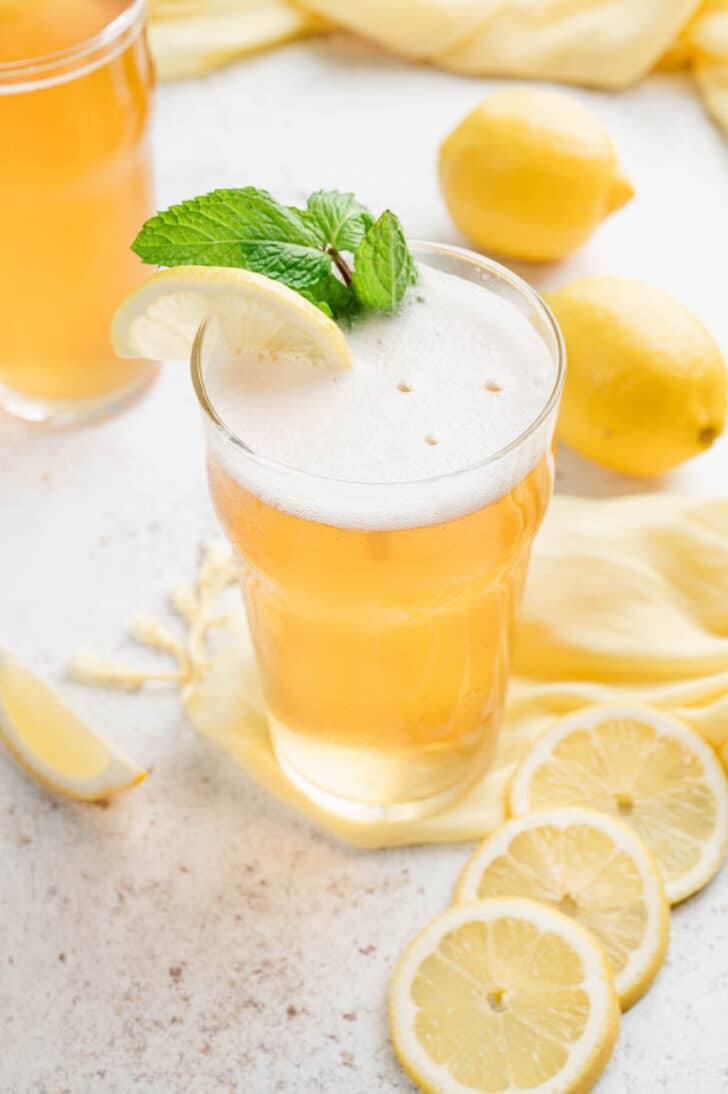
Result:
{"points": [[706, 41], [599, 43], [191, 37], [627, 599], [603, 43]]}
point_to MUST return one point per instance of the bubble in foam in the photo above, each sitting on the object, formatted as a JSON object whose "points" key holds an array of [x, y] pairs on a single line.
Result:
{"points": [[355, 445]]}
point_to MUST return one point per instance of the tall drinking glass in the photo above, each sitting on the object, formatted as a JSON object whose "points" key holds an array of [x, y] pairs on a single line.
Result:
{"points": [[75, 184], [385, 651]]}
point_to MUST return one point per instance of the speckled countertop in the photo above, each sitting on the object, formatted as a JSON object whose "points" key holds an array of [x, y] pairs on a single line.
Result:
{"points": [[196, 937]]}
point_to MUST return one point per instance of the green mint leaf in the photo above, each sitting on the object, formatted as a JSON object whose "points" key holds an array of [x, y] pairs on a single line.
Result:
{"points": [[248, 228], [245, 228], [340, 217], [320, 304], [334, 298], [296, 266], [383, 265]]}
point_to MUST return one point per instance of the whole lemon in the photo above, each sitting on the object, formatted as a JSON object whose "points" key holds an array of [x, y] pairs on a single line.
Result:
{"points": [[646, 385], [530, 174]]}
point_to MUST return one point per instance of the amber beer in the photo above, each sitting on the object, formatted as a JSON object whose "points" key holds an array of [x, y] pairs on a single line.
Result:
{"points": [[385, 652], [75, 82]]}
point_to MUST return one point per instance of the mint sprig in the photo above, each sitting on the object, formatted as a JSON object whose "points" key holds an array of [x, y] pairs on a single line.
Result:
{"points": [[245, 228], [384, 266], [305, 249], [334, 297], [342, 219]]}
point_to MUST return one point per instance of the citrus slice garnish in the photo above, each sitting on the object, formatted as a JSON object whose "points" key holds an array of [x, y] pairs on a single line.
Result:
{"points": [[53, 745], [504, 995], [655, 773], [592, 867], [257, 316]]}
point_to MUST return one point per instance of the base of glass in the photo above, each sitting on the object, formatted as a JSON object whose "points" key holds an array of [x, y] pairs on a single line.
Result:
{"points": [[66, 413], [373, 786]]}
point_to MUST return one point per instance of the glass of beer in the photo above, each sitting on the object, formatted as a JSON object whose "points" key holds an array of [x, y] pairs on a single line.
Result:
{"points": [[75, 82], [382, 519]]}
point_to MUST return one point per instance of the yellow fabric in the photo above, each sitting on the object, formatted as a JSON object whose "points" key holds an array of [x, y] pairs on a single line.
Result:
{"points": [[191, 37], [421, 29], [598, 43], [706, 39], [627, 599]]}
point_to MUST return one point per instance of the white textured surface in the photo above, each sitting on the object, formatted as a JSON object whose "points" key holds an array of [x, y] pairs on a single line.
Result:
{"points": [[196, 937]]}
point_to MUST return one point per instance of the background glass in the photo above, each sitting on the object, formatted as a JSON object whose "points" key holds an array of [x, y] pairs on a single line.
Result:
{"points": [[75, 187]]}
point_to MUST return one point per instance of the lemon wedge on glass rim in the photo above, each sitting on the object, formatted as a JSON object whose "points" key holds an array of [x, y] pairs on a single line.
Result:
{"points": [[257, 315], [53, 745], [637, 763], [501, 997], [590, 866]]}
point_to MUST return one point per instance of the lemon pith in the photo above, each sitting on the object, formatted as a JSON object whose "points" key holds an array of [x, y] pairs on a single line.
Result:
{"points": [[503, 995], [588, 865], [655, 773], [254, 314], [647, 386], [530, 174], [53, 745]]}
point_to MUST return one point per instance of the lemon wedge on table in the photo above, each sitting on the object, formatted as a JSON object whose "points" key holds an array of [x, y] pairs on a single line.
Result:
{"points": [[590, 866], [654, 772], [506, 996], [256, 315], [53, 745]]}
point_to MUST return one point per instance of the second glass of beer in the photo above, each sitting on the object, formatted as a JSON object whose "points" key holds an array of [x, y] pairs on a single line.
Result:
{"points": [[75, 184]]}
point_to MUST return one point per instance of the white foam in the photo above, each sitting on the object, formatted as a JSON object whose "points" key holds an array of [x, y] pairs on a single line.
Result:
{"points": [[477, 373]]}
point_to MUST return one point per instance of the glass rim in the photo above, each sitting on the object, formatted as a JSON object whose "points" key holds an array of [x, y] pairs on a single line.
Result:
{"points": [[494, 268], [60, 66]]}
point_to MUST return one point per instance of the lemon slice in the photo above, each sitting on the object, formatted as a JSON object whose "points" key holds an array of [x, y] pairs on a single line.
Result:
{"points": [[257, 316], [506, 996], [653, 771], [590, 866], [49, 741]]}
